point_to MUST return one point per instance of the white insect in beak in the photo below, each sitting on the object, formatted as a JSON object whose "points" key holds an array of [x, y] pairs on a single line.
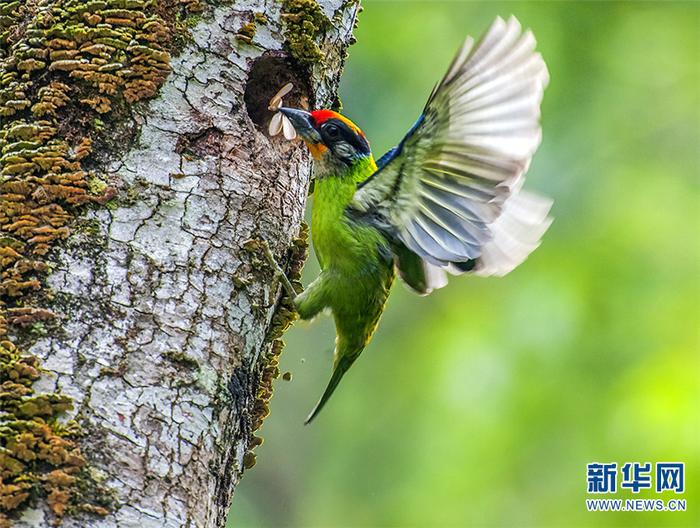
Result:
{"points": [[280, 122]]}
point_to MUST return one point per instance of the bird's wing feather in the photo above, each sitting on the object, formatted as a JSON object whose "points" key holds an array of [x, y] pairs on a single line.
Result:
{"points": [[450, 191]]}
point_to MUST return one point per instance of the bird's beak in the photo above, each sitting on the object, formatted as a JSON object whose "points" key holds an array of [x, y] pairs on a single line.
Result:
{"points": [[303, 123]]}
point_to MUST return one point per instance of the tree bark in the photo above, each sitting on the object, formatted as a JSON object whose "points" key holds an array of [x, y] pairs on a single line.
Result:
{"points": [[151, 307]]}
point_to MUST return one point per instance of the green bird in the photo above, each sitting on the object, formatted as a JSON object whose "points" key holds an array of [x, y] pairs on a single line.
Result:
{"points": [[447, 198]]}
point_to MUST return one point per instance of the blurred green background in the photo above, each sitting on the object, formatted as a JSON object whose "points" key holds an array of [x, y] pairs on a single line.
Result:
{"points": [[481, 404]]}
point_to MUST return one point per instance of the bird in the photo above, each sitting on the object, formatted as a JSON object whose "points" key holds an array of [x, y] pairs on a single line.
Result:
{"points": [[447, 199]]}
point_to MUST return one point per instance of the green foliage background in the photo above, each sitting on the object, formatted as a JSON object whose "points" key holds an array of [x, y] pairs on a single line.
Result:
{"points": [[481, 404]]}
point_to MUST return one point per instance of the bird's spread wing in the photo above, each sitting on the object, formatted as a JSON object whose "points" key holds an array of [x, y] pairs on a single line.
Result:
{"points": [[449, 194]]}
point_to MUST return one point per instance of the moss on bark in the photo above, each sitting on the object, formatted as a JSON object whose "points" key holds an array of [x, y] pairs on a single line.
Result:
{"points": [[39, 455], [305, 21], [284, 316]]}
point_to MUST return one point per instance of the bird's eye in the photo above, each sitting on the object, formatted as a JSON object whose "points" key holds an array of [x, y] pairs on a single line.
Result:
{"points": [[332, 131]]}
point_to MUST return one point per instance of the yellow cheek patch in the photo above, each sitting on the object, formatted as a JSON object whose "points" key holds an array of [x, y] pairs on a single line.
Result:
{"points": [[317, 149], [350, 124]]}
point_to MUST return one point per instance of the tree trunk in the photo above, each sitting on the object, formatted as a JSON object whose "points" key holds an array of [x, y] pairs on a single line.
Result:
{"points": [[139, 319]]}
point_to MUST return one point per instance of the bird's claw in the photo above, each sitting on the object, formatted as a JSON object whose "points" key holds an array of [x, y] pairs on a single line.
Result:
{"points": [[279, 272]]}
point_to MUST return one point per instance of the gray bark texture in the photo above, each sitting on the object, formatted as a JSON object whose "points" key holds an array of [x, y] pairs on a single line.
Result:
{"points": [[163, 308]]}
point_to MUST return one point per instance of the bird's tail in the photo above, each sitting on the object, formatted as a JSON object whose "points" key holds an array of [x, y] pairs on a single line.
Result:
{"points": [[339, 371]]}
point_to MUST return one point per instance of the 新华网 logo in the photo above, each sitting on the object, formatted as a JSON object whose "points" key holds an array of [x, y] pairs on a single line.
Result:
{"points": [[610, 478], [635, 476]]}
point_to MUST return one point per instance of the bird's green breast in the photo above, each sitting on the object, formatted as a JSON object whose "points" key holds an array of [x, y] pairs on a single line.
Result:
{"points": [[340, 244]]}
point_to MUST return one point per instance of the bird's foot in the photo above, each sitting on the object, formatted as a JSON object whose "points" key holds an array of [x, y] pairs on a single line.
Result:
{"points": [[280, 275]]}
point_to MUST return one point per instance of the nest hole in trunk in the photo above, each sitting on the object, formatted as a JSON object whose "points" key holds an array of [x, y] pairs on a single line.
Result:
{"points": [[268, 74]]}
